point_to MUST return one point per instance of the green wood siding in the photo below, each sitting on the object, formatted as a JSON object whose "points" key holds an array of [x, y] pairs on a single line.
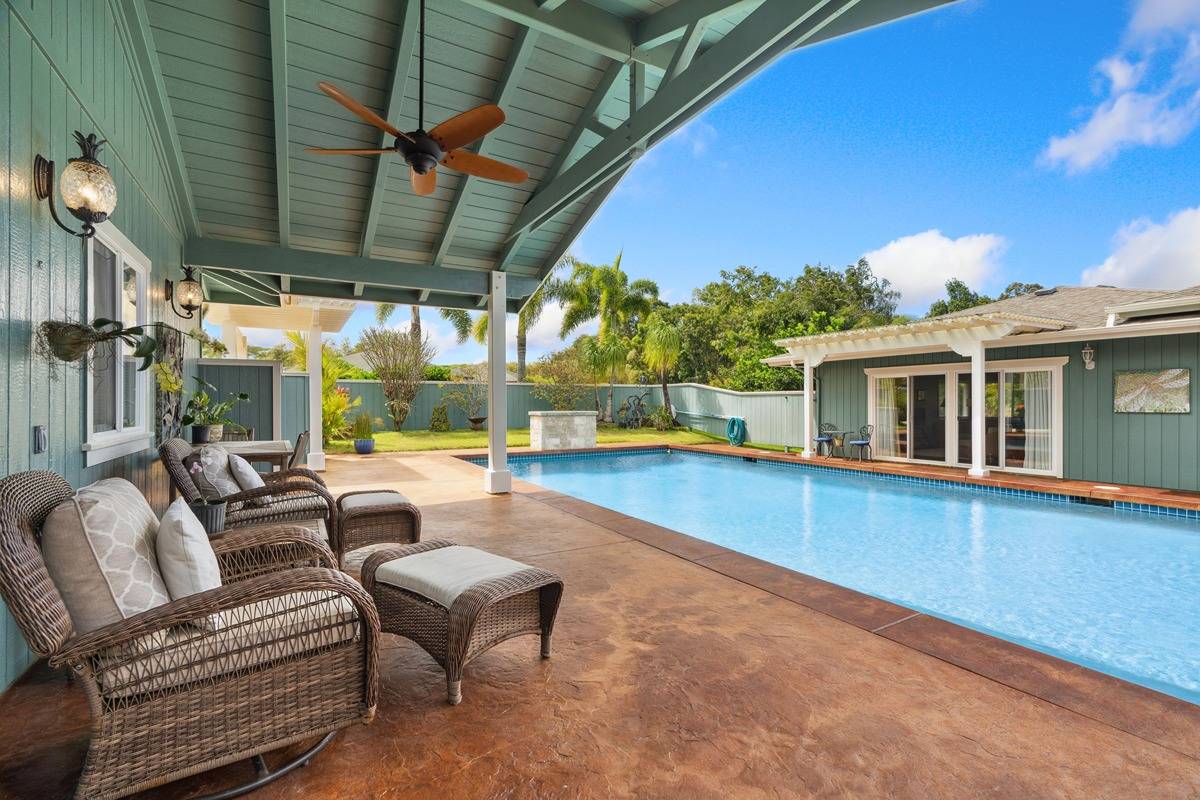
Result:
{"points": [[64, 66], [256, 380], [1098, 445]]}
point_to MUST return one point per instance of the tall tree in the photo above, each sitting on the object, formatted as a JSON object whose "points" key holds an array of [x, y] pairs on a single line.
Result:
{"points": [[384, 312], [604, 292], [1017, 289], [547, 292], [661, 349], [399, 360], [959, 297]]}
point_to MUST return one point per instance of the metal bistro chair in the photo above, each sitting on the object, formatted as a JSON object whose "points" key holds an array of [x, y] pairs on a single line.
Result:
{"points": [[824, 438], [863, 443]]}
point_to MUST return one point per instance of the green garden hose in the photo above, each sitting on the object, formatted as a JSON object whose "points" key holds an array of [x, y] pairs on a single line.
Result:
{"points": [[735, 431]]}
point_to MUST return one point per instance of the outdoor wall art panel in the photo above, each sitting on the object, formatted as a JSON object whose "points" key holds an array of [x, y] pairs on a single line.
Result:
{"points": [[1152, 391]]}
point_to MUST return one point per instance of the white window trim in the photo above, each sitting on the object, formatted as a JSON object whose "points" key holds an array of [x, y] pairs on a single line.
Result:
{"points": [[952, 370], [108, 445]]}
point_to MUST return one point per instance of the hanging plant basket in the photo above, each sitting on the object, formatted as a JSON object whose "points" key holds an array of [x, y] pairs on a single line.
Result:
{"points": [[71, 342]]}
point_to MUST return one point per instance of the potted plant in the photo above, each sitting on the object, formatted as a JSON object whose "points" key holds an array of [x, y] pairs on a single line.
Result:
{"points": [[206, 417], [470, 396], [364, 434]]}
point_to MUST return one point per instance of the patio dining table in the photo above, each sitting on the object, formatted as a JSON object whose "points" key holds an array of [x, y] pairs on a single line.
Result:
{"points": [[275, 452]]}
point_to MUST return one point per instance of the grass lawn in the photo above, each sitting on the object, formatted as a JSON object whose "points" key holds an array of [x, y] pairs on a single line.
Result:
{"points": [[412, 441]]}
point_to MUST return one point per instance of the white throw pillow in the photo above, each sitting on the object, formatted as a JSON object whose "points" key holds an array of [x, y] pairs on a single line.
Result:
{"points": [[248, 478], [213, 478], [185, 555]]}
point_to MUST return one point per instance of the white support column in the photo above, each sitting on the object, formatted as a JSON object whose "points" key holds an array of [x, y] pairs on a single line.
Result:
{"points": [[497, 479], [234, 341], [809, 410], [316, 452], [978, 420]]}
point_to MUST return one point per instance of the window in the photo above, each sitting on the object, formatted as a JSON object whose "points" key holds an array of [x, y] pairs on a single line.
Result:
{"points": [[117, 394]]}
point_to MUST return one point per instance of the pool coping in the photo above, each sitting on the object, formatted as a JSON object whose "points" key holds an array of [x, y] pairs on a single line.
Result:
{"points": [[1140, 711]]}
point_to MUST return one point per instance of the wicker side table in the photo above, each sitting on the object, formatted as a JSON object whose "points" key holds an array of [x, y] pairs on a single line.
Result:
{"points": [[515, 600], [375, 517]]}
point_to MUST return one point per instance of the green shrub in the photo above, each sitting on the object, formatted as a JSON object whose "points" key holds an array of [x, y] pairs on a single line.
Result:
{"points": [[437, 372], [661, 419], [439, 420]]}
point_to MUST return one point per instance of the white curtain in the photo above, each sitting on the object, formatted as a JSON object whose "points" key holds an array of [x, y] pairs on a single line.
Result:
{"points": [[1038, 421], [887, 437]]}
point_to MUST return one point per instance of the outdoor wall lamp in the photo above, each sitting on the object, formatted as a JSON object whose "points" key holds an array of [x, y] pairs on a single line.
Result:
{"points": [[188, 292], [88, 189], [1089, 356]]}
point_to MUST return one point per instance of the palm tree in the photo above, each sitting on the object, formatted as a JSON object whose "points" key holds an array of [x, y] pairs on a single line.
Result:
{"points": [[604, 292], [601, 356], [384, 311], [661, 349], [550, 289]]}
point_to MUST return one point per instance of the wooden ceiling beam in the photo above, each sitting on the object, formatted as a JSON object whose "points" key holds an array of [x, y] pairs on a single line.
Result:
{"points": [[278, 15]]}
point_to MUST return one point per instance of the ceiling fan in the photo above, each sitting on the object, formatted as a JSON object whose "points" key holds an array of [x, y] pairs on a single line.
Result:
{"points": [[422, 150]]}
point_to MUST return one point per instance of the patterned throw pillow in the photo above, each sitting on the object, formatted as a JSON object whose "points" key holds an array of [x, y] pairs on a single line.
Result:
{"points": [[213, 478], [99, 550], [248, 478]]}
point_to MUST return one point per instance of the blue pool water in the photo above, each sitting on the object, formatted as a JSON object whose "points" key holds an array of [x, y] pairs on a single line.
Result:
{"points": [[1115, 591]]}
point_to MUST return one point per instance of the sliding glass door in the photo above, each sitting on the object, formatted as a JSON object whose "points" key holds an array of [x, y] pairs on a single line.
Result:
{"points": [[929, 417], [1028, 420], [991, 415], [891, 417]]}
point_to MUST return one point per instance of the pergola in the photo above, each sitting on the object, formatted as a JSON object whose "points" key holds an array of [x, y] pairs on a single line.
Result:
{"points": [[588, 86]]}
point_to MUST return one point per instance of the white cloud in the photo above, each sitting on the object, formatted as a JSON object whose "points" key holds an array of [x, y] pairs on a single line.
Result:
{"points": [[919, 265], [1150, 90], [1148, 255]]}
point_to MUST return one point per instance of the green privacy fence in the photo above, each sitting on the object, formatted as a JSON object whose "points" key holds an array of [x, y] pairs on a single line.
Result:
{"points": [[771, 417]]}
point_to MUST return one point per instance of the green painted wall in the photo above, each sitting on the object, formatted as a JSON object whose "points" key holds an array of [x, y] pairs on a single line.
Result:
{"points": [[64, 66], [256, 380], [1098, 445]]}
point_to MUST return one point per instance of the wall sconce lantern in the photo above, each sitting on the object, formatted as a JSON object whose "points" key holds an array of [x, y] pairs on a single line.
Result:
{"points": [[188, 292], [88, 189], [1089, 357]]}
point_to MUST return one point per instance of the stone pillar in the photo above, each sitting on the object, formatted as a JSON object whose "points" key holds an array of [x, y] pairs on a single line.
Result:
{"points": [[497, 479]]}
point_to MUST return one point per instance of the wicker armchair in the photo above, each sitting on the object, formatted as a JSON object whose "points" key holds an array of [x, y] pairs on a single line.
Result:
{"points": [[300, 450], [295, 494], [172, 695]]}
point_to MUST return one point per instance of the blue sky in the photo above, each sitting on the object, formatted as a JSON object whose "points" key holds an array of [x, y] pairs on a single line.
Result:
{"points": [[992, 140]]}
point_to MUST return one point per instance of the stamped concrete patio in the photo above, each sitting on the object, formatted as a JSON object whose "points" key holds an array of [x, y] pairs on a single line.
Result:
{"points": [[683, 670]]}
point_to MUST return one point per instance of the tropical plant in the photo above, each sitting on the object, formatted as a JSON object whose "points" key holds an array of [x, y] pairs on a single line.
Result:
{"points": [[335, 405], [439, 419], [364, 426], [470, 394], [167, 378], [399, 360], [661, 348], [202, 410], [384, 311], [602, 357], [560, 380], [210, 347], [661, 418], [551, 289]]}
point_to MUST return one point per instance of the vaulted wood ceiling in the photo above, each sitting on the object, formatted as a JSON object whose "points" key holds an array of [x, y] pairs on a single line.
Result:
{"points": [[587, 86]]}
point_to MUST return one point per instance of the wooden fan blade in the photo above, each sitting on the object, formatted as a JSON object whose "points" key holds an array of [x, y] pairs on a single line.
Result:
{"points": [[362, 111], [423, 184], [334, 151], [484, 167], [467, 127]]}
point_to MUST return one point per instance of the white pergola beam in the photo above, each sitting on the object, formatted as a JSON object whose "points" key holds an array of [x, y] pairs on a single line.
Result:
{"points": [[518, 58], [777, 26], [316, 444]]}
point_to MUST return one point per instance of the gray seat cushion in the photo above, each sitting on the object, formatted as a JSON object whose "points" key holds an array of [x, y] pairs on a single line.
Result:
{"points": [[358, 502], [443, 574], [291, 507]]}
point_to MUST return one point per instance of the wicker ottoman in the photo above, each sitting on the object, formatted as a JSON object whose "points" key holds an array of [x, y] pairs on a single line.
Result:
{"points": [[457, 602], [374, 517]]}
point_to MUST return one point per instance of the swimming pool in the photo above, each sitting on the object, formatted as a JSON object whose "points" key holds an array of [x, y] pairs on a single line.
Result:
{"points": [[1116, 591]]}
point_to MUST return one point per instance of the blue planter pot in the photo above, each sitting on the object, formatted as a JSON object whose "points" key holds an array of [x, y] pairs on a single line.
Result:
{"points": [[364, 446]]}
